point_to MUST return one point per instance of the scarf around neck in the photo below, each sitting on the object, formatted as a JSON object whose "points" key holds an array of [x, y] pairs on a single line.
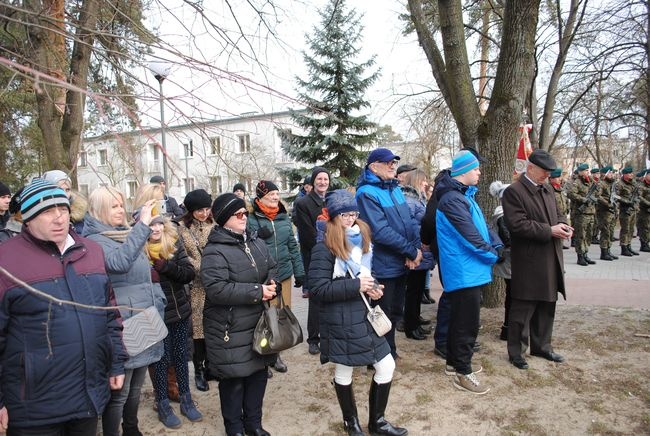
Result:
{"points": [[358, 263], [270, 212]]}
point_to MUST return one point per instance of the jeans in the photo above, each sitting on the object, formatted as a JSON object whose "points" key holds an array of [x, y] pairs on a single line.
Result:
{"points": [[75, 427], [123, 405]]}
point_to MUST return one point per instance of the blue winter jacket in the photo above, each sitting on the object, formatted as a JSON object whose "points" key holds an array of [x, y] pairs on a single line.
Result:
{"points": [[55, 360], [418, 208], [467, 246], [394, 230]]}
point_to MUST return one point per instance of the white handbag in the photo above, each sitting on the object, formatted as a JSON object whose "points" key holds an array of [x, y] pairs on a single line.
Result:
{"points": [[377, 318]]}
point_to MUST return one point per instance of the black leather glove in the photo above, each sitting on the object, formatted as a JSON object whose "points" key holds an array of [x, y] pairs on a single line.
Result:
{"points": [[264, 232]]}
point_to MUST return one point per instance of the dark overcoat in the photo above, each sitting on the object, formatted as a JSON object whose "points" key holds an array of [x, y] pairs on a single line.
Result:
{"points": [[537, 262]]}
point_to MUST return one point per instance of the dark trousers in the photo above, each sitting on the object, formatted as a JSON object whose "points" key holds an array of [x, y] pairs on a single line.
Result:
{"points": [[313, 318], [508, 303], [392, 303], [75, 427], [415, 283], [463, 327], [176, 354], [241, 402], [530, 320], [200, 355], [442, 322]]}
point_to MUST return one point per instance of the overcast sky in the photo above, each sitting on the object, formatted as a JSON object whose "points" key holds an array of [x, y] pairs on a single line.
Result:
{"points": [[194, 93]]}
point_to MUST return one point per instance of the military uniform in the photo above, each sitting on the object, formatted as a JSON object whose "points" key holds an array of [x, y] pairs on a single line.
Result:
{"points": [[643, 217], [626, 191], [583, 196], [595, 178], [606, 213]]}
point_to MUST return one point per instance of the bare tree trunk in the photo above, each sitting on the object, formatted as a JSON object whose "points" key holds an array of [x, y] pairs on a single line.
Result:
{"points": [[485, 56], [60, 111]]}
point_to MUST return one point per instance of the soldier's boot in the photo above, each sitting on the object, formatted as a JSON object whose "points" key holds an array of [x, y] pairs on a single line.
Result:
{"points": [[625, 251], [645, 247], [609, 251], [604, 254], [581, 260], [634, 253], [587, 259]]}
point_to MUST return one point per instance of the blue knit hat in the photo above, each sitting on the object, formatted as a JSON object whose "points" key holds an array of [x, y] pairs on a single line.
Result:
{"points": [[463, 162], [340, 201], [40, 196]]}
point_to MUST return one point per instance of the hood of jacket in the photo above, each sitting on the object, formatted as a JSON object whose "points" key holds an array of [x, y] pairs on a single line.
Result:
{"points": [[446, 183]]}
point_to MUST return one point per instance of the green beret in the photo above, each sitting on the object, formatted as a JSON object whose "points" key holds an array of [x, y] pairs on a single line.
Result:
{"points": [[627, 170], [642, 173], [582, 167], [595, 170], [557, 172], [606, 169]]}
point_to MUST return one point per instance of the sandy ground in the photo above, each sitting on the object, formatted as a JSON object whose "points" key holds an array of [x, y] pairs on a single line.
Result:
{"points": [[602, 389]]}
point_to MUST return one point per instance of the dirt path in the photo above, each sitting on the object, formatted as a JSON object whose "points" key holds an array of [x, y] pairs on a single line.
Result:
{"points": [[602, 389]]}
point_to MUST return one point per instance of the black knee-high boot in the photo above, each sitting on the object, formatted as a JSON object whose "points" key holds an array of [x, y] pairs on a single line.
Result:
{"points": [[377, 424], [345, 395]]}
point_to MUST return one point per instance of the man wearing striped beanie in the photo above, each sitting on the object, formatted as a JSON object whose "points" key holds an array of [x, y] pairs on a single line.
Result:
{"points": [[74, 355]]}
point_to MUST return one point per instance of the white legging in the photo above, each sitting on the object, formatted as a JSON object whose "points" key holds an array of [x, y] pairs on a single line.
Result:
{"points": [[383, 372]]}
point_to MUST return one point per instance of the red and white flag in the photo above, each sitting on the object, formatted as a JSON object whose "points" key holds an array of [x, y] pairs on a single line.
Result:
{"points": [[524, 149]]}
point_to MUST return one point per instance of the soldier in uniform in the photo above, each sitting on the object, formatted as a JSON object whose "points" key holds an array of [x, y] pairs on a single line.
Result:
{"points": [[643, 218], [606, 213], [556, 182], [568, 185], [583, 196], [595, 178], [625, 189]]}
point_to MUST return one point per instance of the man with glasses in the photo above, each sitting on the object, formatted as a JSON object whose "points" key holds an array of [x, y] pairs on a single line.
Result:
{"points": [[396, 244]]}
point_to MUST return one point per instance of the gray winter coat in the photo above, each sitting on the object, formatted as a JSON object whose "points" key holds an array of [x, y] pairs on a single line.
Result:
{"points": [[130, 274], [233, 281]]}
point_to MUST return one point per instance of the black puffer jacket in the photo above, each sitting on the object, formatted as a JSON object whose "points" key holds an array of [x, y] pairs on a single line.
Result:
{"points": [[233, 282], [346, 337], [174, 274]]}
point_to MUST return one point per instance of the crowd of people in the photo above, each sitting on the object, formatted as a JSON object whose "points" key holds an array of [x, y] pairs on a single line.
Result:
{"points": [[76, 269]]}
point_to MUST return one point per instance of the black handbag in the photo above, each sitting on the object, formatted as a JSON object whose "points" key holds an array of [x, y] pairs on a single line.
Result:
{"points": [[277, 330]]}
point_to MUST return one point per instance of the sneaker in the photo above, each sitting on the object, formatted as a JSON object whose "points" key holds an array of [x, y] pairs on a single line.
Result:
{"points": [[450, 370], [469, 383]]}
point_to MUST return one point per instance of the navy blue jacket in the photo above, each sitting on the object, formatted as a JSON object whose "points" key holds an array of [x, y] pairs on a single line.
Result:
{"points": [[395, 233], [59, 374], [467, 247], [346, 337]]}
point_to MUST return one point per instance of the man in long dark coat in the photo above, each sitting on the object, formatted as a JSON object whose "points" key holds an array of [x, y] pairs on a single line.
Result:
{"points": [[536, 229]]}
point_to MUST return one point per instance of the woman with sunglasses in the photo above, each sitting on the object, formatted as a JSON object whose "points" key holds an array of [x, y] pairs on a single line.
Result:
{"points": [[238, 275], [194, 228], [339, 277]]}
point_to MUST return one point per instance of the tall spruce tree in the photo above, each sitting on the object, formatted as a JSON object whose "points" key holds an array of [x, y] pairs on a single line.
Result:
{"points": [[333, 93]]}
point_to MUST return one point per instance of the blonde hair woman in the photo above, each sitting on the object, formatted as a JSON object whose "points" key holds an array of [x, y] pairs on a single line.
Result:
{"points": [[129, 270], [150, 191], [339, 275]]}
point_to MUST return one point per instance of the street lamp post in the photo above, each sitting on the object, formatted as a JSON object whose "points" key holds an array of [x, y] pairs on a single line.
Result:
{"points": [[160, 72]]}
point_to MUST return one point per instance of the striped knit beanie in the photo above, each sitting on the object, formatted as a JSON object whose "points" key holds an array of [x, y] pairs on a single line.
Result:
{"points": [[40, 196], [463, 162]]}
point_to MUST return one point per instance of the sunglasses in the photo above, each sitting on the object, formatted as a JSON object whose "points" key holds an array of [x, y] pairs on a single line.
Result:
{"points": [[240, 215]]}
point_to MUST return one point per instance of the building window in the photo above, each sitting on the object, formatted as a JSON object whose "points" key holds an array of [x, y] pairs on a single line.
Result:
{"points": [[103, 157], [189, 184], [156, 152], [188, 149], [131, 188], [84, 189], [83, 159], [216, 184], [215, 145], [244, 143]]}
